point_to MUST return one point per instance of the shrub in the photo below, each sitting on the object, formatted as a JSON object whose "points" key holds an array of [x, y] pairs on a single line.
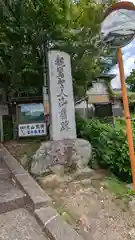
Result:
{"points": [[109, 144]]}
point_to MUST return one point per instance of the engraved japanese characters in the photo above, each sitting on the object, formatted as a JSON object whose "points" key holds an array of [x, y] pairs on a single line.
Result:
{"points": [[61, 96]]}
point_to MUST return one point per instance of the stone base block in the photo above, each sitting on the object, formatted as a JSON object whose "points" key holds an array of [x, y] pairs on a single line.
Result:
{"points": [[58, 156], [83, 173]]}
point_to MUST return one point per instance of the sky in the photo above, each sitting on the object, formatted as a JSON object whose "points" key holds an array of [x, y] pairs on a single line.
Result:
{"points": [[129, 62]]}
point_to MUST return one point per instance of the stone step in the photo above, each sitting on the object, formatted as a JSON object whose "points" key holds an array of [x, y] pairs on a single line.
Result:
{"points": [[4, 172], [19, 224], [11, 197]]}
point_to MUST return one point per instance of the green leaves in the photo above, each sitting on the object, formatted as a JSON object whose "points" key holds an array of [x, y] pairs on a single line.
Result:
{"points": [[131, 81], [25, 25], [84, 44], [110, 146]]}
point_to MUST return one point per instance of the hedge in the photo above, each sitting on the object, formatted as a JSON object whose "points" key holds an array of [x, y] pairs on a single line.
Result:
{"points": [[109, 145]]}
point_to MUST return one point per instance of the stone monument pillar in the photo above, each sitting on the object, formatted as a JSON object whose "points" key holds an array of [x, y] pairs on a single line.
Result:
{"points": [[64, 149], [61, 96]]}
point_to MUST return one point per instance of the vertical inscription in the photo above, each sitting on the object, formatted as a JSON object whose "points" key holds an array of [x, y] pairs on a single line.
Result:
{"points": [[62, 96]]}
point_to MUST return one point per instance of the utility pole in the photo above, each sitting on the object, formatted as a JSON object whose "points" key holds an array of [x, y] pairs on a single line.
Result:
{"points": [[127, 114]]}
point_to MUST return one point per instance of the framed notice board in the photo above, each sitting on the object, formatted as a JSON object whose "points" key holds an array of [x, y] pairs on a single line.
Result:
{"points": [[31, 120]]}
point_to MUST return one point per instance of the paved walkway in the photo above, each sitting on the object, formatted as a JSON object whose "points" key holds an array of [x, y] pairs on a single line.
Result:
{"points": [[26, 211], [19, 225], [16, 222]]}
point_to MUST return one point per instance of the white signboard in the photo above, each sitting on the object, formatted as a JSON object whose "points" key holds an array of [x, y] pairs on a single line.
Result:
{"points": [[61, 96], [31, 129]]}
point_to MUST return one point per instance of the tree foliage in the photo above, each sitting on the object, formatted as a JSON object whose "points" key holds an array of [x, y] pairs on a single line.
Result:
{"points": [[131, 81], [25, 25], [84, 44]]}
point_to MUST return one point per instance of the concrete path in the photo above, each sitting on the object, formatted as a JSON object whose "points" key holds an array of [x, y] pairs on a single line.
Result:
{"points": [[19, 225], [26, 211], [15, 223]]}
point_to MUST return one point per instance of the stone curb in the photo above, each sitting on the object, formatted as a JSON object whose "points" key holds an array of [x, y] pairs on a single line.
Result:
{"points": [[18, 202], [36, 194], [54, 226], [51, 222]]}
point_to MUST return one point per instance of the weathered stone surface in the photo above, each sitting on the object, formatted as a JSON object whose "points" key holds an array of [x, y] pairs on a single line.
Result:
{"points": [[68, 153], [61, 129], [85, 182], [20, 225], [11, 197], [45, 215], [12, 164], [51, 153], [4, 171], [35, 192], [132, 234], [49, 181], [54, 226], [58, 169], [24, 161], [83, 173], [83, 149], [132, 206]]}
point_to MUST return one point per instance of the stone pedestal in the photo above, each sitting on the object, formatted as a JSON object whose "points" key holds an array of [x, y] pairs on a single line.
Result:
{"points": [[83, 173], [57, 156]]}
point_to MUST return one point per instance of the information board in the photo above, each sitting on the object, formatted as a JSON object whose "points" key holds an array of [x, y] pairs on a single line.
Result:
{"points": [[32, 129], [31, 113]]}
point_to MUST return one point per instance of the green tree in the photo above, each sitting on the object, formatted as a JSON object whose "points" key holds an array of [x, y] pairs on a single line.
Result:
{"points": [[72, 27], [24, 25], [131, 81], [84, 45]]}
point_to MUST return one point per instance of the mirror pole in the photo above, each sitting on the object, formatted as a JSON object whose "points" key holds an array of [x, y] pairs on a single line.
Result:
{"points": [[126, 113]]}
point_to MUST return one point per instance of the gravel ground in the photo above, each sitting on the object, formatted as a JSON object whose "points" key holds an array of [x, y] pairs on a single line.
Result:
{"points": [[92, 209]]}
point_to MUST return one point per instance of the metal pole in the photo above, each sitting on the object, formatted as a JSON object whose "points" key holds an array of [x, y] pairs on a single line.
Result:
{"points": [[46, 74], [127, 114], [46, 83]]}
